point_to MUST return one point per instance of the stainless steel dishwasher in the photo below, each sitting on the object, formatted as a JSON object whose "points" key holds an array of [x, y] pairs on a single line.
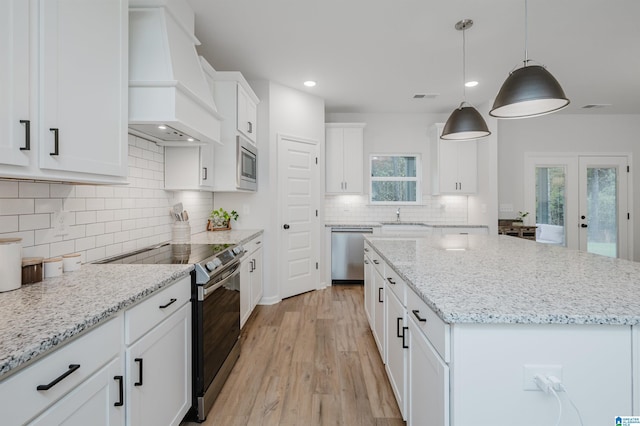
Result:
{"points": [[347, 254]]}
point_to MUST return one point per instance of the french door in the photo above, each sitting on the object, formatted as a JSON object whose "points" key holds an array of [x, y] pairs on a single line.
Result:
{"points": [[581, 201]]}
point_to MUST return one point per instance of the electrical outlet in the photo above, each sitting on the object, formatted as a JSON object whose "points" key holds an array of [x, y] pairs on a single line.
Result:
{"points": [[60, 223], [544, 370], [506, 208]]}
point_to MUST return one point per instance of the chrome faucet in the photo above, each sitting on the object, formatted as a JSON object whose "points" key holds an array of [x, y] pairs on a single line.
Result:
{"points": [[398, 215]]}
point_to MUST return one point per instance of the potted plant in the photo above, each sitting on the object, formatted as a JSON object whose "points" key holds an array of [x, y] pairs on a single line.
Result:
{"points": [[519, 221], [220, 219]]}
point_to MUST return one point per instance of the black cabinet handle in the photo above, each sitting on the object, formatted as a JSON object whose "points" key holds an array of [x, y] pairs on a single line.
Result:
{"points": [[416, 313], [376, 262], [391, 281], [380, 295], [139, 360], [56, 133], [250, 129], [583, 225], [366, 250], [171, 302], [27, 135], [72, 368], [399, 320], [366, 262], [204, 173], [404, 345], [120, 402]]}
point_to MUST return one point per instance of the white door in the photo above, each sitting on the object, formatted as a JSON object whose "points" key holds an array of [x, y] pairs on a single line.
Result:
{"points": [[603, 206], [299, 201], [580, 201]]}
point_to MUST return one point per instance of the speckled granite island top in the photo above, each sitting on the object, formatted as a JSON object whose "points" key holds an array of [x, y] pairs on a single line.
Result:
{"points": [[37, 318], [502, 279]]}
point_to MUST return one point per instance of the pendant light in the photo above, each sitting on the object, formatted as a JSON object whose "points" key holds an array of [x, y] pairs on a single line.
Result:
{"points": [[465, 122], [529, 91]]}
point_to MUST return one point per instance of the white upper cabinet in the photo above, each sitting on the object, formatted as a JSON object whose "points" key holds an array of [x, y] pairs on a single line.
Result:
{"points": [[454, 164], [15, 69], [70, 82], [344, 158], [238, 104], [188, 168]]}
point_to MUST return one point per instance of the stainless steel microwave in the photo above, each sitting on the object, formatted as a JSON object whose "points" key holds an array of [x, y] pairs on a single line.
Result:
{"points": [[247, 165]]}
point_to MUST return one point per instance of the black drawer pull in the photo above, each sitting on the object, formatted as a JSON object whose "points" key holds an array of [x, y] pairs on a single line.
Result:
{"points": [[366, 250], [120, 402], [404, 345], [416, 313], [391, 280], [139, 360], [380, 295], [399, 320], [376, 262], [72, 368], [27, 135], [250, 127], [55, 142], [171, 302]]}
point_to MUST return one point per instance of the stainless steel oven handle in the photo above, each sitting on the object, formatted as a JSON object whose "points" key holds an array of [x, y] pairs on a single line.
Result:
{"points": [[209, 290]]}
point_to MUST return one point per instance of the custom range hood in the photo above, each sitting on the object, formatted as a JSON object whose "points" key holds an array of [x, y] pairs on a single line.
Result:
{"points": [[170, 101]]}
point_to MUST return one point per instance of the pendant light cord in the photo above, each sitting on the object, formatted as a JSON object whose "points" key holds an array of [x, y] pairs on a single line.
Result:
{"points": [[464, 66], [526, 34]]}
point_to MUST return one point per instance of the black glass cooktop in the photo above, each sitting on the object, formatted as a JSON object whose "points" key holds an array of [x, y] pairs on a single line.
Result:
{"points": [[170, 254]]}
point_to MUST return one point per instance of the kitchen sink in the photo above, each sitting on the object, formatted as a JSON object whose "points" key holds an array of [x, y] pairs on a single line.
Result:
{"points": [[405, 228]]}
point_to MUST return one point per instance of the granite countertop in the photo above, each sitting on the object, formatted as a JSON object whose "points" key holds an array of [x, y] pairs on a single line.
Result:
{"points": [[502, 279], [37, 318], [379, 224], [40, 317]]}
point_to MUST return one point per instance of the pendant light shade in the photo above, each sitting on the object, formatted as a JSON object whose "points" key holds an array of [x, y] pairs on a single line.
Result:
{"points": [[465, 122], [528, 92]]}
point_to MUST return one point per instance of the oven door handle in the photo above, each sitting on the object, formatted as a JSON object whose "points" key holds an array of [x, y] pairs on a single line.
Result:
{"points": [[209, 290]]}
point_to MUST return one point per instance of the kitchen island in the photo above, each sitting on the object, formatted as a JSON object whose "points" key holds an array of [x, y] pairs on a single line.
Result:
{"points": [[500, 310]]}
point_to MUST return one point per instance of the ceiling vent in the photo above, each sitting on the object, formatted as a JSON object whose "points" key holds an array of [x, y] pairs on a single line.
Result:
{"points": [[170, 101], [425, 95], [595, 106]]}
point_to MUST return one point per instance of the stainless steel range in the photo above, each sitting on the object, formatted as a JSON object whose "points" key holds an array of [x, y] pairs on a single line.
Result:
{"points": [[215, 300]]}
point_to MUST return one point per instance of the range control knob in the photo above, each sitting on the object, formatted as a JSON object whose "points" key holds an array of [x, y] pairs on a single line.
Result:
{"points": [[238, 249], [211, 266]]}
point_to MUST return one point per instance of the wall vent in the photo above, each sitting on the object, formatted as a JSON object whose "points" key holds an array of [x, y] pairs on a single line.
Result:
{"points": [[592, 106], [425, 95]]}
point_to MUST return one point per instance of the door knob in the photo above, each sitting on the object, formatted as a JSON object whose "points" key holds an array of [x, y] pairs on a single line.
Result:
{"points": [[286, 226], [583, 225]]}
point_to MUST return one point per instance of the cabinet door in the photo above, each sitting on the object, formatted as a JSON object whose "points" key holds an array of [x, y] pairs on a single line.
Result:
{"points": [[97, 401], [468, 166], [352, 159], [247, 115], [368, 285], [379, 315], [15, 70], [334, 158], [159, 373], [428, 376], [397, 340], [83, 70], [246, 268], [256, 278], [448, 166], [206, 166]]}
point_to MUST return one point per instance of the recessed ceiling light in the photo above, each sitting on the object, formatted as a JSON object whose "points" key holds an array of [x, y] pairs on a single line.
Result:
{"points": [[162, 127], [310, 83], [471, 83], [190, 139]]}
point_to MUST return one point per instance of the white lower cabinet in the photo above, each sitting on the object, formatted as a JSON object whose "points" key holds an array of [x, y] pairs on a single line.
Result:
{"points": [[250, 279], [159, 373], [397, 340], [428, 387], [368, 286], [379, 314], [97, 401]]}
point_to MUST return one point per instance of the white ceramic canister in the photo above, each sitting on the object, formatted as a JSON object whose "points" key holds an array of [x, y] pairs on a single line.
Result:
{"points": [[52, 267], [71, 262], [181, 232], [10, 263]]}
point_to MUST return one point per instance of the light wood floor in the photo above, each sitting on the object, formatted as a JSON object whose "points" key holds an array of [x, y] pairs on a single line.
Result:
{"points": [[309, 360]]}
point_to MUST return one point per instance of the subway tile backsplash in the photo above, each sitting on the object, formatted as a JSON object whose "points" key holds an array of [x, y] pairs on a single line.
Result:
{"points": [[443, 210], [101, 221]]}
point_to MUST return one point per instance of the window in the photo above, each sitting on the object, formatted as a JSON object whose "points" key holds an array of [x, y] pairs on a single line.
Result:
{"points": [[395, 179]]}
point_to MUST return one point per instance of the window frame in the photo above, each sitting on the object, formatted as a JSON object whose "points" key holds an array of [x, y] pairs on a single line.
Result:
{"points": [[417, 179]]}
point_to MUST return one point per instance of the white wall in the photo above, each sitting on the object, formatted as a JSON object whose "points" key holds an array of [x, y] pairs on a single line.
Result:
{"points": [[285, 111], [585, 133], [103, 220], [400, 133]]}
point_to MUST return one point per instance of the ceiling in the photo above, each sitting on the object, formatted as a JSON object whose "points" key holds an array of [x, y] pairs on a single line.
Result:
{"points": [[371, 56]]}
